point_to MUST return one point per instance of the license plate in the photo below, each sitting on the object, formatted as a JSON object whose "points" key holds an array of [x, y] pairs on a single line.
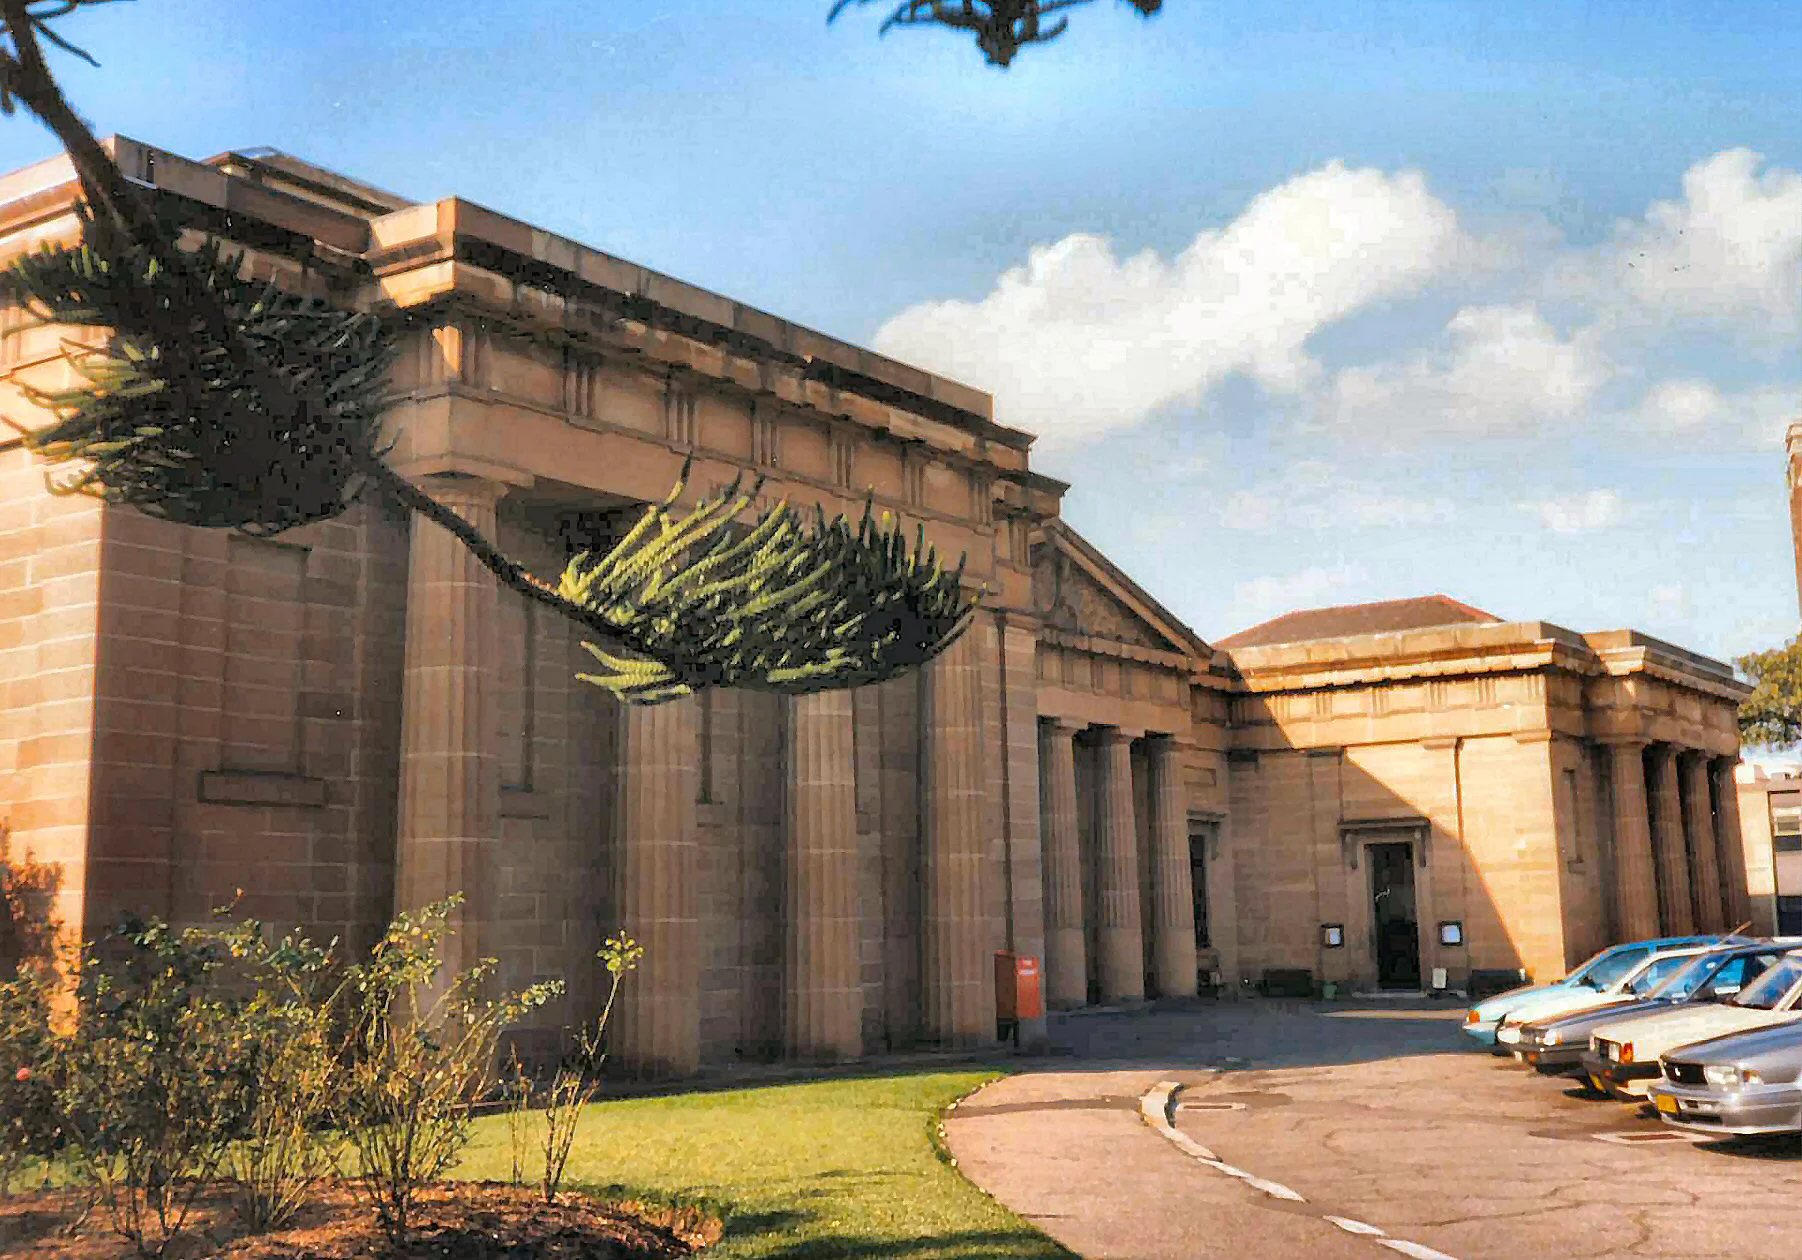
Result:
{"points": [[1666, 1104]]}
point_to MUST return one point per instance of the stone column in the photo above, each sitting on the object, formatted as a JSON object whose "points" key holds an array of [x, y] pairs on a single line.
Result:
{"points": [[1730, 844], [449, 825], [823, 998], [957, 960], [656, 1027], [1066, 950], [1121, 941], [1635, 885], [1172, 880], [1698, 828], [1674, 914]]}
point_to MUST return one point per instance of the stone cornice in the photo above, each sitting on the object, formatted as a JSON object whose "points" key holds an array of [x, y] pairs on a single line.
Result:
{"points": [[522, 274], [1120, 651], [1505, 647], [454, 230]]}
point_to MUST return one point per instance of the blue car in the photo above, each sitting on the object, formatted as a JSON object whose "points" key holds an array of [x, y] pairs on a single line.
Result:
{"points": [[1481, 1021]]}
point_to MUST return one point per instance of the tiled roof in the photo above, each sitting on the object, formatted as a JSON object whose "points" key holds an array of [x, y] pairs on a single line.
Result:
{"points": [[1349, 619]]}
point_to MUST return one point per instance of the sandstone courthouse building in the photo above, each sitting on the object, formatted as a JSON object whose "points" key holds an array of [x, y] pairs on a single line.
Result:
{"points": [[353, 717]]}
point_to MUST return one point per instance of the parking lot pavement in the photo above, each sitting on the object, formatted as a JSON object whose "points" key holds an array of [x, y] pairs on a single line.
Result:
{"points": [[1068, 1151], [1374, 1113], [1483, 1160]]}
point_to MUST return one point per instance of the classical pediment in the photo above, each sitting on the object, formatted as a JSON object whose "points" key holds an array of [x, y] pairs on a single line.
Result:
{"points": [[1075, 589]]}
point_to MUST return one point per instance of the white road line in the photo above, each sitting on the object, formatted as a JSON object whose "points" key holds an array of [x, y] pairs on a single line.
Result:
{"points": [[1414, 1249], [1637, 1137], [1355, 1227], [1274, 1189], [1157, 1107]]}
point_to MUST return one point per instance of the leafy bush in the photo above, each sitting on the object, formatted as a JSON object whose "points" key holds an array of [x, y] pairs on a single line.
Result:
{"points": [[30, 1067], [30, 1118], [419, 1054], [574, 1085], [160, 1075], [284, 1148]]}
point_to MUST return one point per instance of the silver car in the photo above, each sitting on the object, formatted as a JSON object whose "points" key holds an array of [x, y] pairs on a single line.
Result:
{"points": [[1739, 1084]]}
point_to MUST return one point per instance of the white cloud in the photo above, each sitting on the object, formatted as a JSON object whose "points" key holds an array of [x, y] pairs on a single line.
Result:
{"points": [[1313, 496], [1696, 407], [1669, 603], [1077, 341], [1729, 249], [1545, 335], [1265, 597], [1498, 369], [1578, 513]]}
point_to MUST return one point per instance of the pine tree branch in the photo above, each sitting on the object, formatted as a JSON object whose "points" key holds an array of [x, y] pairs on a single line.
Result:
{"points": [[511, 574], [117, 206]]}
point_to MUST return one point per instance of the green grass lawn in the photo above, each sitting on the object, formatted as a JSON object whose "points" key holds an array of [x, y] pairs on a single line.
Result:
{"points": [[802, 1172]]}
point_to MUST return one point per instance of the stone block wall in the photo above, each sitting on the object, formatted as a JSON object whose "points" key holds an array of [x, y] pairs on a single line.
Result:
{"points": [[50, 559]]}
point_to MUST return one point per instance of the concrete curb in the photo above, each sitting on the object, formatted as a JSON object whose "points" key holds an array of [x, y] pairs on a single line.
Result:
{"points": [[1157, 1107]]}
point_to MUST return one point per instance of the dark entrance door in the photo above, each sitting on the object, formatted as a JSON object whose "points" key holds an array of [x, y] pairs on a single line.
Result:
{"points": [[1395, 933]]}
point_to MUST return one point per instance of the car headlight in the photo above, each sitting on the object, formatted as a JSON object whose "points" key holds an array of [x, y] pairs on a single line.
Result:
{"points": [[1729, 1077], [1549, 1037], [1509, 1034], [1595, 1044]]}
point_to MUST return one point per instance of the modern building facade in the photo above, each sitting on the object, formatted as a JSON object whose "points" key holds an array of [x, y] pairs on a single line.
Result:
{"points": [[354, 718], [1771, 808]]}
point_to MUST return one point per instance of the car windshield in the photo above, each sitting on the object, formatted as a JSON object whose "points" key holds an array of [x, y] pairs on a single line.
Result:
{"points": [[1610, 969], [1581, 974], [1764, 993], [1675, 977], [1656, 973]]}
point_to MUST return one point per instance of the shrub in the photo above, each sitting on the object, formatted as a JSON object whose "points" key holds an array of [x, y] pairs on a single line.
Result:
{"points": [[159, 1077], [30, 1117], [30, 1068], [283, 1148], [419, 1053], [574, 1085]]}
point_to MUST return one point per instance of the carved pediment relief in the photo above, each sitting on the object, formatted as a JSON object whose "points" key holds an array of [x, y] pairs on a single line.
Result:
{"points": [[1069, 598]]}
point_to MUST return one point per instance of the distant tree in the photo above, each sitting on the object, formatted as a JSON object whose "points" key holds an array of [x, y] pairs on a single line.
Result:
{"points": [[1001, 27], [226, 404], [1771, 716]]}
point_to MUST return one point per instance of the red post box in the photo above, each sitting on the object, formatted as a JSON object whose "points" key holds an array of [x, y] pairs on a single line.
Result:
{"points": [[1018, 992]]}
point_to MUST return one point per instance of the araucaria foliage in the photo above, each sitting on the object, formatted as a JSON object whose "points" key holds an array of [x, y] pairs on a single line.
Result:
{"points": [[170, 421]]}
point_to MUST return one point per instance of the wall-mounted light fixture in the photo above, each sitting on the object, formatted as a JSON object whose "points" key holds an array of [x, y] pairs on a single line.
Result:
{"points": [[1332, 935], [1451, 932]]}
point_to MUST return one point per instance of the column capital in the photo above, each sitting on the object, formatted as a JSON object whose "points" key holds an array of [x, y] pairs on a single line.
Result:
{"points": [[442, 476], [1117, 734], [1016, 619], [1624, 742], [1067, 727]]}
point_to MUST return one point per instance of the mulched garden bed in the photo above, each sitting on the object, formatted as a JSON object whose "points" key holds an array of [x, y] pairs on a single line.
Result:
{"points": [[456, 1221]]}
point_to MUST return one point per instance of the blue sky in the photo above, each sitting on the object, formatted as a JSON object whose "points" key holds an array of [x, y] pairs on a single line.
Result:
{"points": [[1313, 302]]}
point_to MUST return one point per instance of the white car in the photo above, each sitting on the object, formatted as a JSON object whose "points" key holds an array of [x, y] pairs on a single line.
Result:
{"points": [[1623, 1056], [1631, 984]]}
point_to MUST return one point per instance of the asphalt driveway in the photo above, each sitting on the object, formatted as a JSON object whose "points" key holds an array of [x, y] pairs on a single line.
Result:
{"points": [[1353, 1129]]}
